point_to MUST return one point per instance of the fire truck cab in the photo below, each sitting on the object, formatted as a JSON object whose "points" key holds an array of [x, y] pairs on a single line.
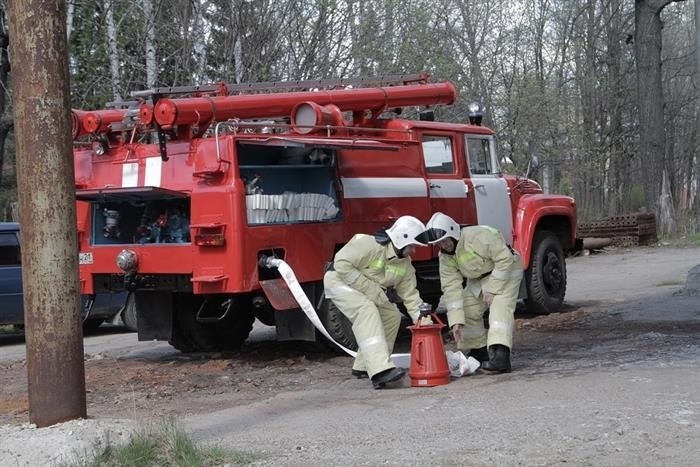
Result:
{"points": [[181, 197]]}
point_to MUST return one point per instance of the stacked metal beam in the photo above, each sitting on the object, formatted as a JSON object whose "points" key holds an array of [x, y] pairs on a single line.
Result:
{"points": [[630, 229]]}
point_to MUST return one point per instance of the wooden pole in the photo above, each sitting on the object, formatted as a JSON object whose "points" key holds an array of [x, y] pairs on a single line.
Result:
{"points": [[45, 186]]}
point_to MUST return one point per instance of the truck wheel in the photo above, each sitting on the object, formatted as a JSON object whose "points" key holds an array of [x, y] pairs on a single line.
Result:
{"points": [[190, 335], [265, 314], [338, 326], [129, 313], [546, 277], [235, 329], [184, 310]]}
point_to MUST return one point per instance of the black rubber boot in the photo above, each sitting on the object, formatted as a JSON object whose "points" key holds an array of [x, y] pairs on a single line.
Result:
{"points": [[499, 359], [360, 374], [480, 354], [381, 379]]}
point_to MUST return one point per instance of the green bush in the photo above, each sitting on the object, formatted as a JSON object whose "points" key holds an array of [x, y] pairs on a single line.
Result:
{"points": [[636, 197]]}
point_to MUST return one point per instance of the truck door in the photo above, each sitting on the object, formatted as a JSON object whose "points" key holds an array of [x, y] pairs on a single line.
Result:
{"points": [[490, 189], [447, 188], [11, 300]]}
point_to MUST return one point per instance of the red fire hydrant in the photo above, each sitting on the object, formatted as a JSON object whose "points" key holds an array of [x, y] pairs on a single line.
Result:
{"points": [[428, 360]]}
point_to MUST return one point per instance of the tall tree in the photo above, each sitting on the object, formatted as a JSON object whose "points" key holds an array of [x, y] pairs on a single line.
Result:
{"points": [[695, 174], [149, 16], [650, 98], [551, 73], [6, 122], [616, 138], [113, 50]]}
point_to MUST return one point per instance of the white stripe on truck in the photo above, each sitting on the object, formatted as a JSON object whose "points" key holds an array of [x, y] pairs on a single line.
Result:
{"points": [[130, 175], [153, 170], [383, 187]]}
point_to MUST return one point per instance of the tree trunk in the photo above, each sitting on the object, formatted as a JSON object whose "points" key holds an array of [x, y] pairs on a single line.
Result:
{"points": [[149, 17], [238, 58], [46, 188], [618, 170], [5, 124], [652, 135], [113, 51], [695, 155], [69, 19], [667, 215], [200, 46], [586, 68], [5, 128]]}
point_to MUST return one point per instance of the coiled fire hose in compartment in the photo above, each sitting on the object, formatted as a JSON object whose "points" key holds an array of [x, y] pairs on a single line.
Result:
{"points": [[300, 296]]}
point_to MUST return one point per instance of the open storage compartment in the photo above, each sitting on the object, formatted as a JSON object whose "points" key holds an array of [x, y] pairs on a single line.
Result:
{"points": [[288, 181], [143, 215]]}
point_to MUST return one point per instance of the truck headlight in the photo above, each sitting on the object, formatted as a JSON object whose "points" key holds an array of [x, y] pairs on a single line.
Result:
{"points": [[127, 260]]}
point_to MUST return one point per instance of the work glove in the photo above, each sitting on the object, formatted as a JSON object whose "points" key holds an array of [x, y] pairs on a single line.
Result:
{"points": [[424, 320], [458, 332], [423, 315]]}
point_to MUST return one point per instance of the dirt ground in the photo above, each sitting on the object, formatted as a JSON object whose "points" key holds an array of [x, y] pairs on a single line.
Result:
{"points": [[611, 380], [154, 385]]}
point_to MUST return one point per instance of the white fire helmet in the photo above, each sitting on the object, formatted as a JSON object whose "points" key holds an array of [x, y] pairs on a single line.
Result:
{"points": [[440, 226], [405, 231]]}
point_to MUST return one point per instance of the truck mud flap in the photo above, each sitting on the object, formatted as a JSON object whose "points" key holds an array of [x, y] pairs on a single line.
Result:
{"points": [[278, 294], [291, 322], [155, 321]]}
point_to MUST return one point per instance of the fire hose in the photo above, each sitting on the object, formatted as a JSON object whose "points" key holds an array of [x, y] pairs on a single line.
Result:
{"points": [[300, 296], [458, 362]]}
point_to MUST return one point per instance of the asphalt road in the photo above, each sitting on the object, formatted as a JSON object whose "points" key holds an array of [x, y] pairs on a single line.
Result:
{"points": [[612, 380]]}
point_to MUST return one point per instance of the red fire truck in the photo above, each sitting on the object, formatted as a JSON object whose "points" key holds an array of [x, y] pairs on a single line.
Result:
{"points": [[184, 193]]}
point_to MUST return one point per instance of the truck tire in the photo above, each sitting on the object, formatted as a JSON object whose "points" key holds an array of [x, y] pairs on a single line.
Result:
{"points": [[338, 326], [129, 313], [190, 335], [546, 277], [265, 314]]}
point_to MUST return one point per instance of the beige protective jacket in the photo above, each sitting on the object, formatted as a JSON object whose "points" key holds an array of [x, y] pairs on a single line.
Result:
{"points": [[481, 253], [371, 268]]}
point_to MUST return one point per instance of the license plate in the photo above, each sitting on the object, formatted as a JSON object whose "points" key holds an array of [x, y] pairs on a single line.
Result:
{"points": [[85, 258]]}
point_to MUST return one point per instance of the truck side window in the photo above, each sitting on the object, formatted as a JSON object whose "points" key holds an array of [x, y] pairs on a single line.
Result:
{"points": [[9, 250], [437, 154], [479, 156]]}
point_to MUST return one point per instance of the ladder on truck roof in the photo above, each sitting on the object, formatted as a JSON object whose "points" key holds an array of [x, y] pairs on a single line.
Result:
{"points": [[280, 86], [189, 110]]}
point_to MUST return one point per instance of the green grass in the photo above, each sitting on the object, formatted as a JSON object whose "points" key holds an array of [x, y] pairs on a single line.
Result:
{"points": [[694, 239], [166, 444], [681, 241]]}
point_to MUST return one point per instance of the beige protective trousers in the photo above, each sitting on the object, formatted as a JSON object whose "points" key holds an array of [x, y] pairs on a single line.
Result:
{"points": [[375, 326], [501, 319]]}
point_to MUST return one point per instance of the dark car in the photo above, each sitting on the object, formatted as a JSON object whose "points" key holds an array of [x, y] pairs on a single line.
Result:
{"points": [[118, 308]]}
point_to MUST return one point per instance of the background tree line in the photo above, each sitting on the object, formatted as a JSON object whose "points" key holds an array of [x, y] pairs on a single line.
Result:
{"points": [[603, 92]]}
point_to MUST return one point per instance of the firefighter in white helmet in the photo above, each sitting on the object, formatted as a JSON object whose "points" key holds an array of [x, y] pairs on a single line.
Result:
{"points": [[357, 283], [493, 273]]}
